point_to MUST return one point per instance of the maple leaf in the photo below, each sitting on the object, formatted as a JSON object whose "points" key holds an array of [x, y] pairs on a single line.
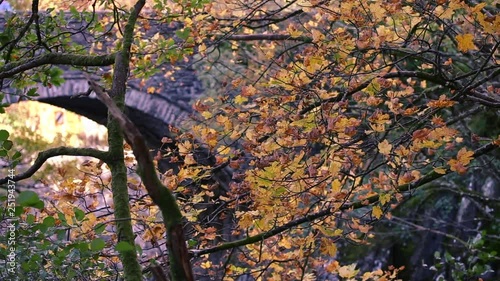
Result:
{"points": [[440, 170], [464, 157], [385, 147], [293, 31], [377, 212], [240, 99], [465, 42], [348, 271], [384, 198], [328, 247], [207, 114], [441, 103], [206, 265]]}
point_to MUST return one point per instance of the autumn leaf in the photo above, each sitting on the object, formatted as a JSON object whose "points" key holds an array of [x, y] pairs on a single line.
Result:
{"points": [[385, 147], [440, 170], [248, 91], [207, 114], [206, 265], [465, 42], [377, 212], [441, 103], [151, 90], [464, 157], [328, 247], [384, 198], [348, 271], [189, 159], [185, 147], [293, 31], [210, 233], [240, 99]]}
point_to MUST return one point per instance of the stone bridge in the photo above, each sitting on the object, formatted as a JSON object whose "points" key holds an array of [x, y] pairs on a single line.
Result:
{"points": [[152, 113]]}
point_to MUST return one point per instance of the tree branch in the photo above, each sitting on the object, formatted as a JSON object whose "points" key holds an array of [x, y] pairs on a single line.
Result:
{"points": [[14, 68], [260, 37], [160, 195], [348, 206], [58, 151]]}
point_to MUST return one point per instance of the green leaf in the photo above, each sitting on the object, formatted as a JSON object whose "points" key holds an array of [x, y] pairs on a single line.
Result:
{"points": [[32, 93], [138, 248], [36, 257], [18, 211], [4, 135], [3, 153], [79, 214], [62, 218], [61, 235], [183, 33], [27, 198], [192, 243], [39, 205], [99, 228], [55, 74], [97, 244], [16, 155], [123, 246], [74, 12], [30, 218], [82, 246], [49, 221], [7, 144]]}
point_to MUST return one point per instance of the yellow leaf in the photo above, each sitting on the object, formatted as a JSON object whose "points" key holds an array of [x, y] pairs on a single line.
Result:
{"points": [[207, 114], [239, 99], [348, 271], [318, 36], [385, 147], [328, 247], [248, 91], [465, 42], [464, 156], [206, 265], [221, 119], [440, 170], [377, 11], [151, 90], [184, 147], [294, 33], [189, 159], [336, 186], [377, 212], [384, 198], [477, 8], [202, 48]]}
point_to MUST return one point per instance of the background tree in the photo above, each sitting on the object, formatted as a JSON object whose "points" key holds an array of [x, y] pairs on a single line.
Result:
{"points": [[331, 116]]}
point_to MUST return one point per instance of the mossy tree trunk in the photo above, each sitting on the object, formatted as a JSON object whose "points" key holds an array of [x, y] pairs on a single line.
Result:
{"points": [[118, 123]]}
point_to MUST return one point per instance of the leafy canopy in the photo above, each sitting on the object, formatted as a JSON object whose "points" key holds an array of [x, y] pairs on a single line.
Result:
{"points": [[327, 114]]}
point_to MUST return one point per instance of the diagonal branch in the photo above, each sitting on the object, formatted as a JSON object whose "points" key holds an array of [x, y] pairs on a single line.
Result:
{"points": [[348, 206], [58, 151], [161, 196], [14, 68], [271, 37]]}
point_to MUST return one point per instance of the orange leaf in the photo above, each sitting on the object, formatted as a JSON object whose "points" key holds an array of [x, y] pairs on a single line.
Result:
{"points": [[465, 42], [385, 147], [377, 212]]}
